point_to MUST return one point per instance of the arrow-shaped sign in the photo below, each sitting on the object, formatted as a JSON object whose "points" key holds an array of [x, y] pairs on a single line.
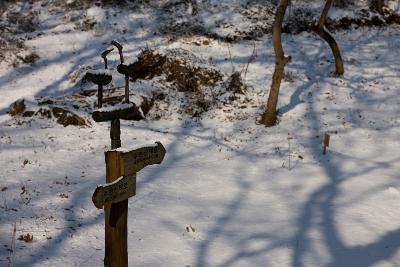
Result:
{"points": [[131, 162], [122, 188], [135, 160]]}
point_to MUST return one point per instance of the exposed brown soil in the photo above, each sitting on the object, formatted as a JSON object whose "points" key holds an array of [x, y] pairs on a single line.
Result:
{"points": [[302, 21], [28, 113], [347, 23], [62, 115], [44, 113], [235, 83], [17, 108], [393, 19], [185, 76], [66, 118]]}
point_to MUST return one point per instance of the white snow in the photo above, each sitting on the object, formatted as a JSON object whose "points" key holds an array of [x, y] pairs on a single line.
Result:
{"points": [[100, 72], [125, 149], [130, 60], [254, 196], [121, 106]]}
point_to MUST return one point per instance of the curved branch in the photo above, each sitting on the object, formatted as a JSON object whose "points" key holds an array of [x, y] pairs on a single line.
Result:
{"points": [[324, 14], [335, 50], [377, 5], [324, 34]]}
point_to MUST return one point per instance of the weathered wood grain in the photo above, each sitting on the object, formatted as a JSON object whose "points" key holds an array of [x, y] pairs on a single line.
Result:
{"points": [[116, 215], [135, 160], [108, 115], [122, 188]]}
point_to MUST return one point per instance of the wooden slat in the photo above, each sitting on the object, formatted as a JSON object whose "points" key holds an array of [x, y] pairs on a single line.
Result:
{"points": [[135, 160], [101, 116], [122, 188]]}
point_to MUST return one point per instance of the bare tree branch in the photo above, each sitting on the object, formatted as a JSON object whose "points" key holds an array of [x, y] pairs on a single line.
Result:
{"points": [[324, 34]]}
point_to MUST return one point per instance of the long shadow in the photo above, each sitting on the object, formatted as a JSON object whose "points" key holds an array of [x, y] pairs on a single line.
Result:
{"points": [[91, 50], [71, 223], [318, 74], [295, 97], [229, 211], [322, 202]]}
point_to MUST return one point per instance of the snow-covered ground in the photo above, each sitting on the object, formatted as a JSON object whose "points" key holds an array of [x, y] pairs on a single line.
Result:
{"points": [[229, 192]]}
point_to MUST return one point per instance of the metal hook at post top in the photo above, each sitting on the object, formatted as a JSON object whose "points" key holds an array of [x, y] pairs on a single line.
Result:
{"points": [[100, 89], [119, 46], [104, 56]]}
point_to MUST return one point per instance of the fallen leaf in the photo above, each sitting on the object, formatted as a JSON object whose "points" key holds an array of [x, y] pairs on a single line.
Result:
{"points": [[27, 238]]}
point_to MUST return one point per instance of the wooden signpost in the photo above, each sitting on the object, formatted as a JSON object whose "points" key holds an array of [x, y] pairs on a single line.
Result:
{"points": [[121, 168], [130, 163]]}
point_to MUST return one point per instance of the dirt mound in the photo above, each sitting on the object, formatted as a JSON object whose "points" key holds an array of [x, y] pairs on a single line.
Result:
{"points": [[184, 70], [62, 115], [172, 82], [179, 71], [365, 19], [12, 42], [301, 19], [235, 83], [66, 118]]}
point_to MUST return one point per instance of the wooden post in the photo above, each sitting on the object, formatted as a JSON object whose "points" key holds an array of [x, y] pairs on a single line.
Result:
{"points": [[126, 89], [115, 135], [116, 215], [116, 232], [100, 96]]}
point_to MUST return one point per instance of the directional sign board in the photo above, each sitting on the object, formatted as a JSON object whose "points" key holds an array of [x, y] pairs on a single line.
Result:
{"points": [[121, 189], [131, 162], [135, 160]]}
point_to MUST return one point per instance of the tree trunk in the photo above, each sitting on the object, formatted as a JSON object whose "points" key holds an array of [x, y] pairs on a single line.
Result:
{"points": [[324, 34], [269, 116], [377, 5]]}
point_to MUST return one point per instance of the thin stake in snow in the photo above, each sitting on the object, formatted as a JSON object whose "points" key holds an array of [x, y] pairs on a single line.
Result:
{"points": [[12, 250], [289, 138], [326, 142]]}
